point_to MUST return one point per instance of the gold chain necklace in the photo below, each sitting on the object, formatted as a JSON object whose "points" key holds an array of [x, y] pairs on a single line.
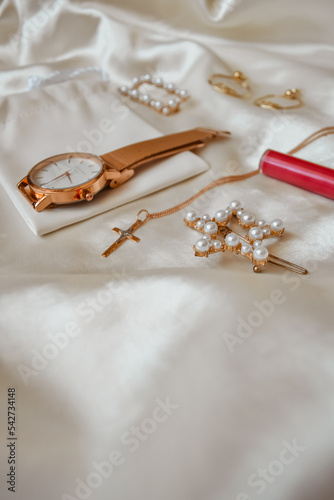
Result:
{"points": [[127, 234]]}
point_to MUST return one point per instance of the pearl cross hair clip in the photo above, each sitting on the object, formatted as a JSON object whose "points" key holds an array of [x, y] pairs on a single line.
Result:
{"points": [[251, 246]]}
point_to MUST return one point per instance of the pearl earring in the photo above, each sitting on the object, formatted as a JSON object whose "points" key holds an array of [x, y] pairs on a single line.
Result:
{"points": [[251, 246]]}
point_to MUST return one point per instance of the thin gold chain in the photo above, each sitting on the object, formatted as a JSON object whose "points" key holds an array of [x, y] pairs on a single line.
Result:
{"points": [[311, 138], [213, 184], [232, 178]]}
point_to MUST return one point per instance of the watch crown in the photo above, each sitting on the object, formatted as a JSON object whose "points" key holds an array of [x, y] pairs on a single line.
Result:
{"points": [[87, 195]]}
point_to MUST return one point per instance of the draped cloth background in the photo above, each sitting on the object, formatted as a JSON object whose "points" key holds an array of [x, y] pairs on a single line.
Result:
{"points": [[128, 384]]}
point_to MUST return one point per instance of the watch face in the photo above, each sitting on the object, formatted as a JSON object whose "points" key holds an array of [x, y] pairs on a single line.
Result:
{"points": [[66, 171]]}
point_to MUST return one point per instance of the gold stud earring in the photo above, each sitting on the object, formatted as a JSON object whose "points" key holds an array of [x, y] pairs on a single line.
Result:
{"points": [[238, 77], [293, 95]]}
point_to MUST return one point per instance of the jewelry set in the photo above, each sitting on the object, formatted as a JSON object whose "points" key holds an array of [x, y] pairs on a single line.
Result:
{"points": [[176, 96], [73, 177]]}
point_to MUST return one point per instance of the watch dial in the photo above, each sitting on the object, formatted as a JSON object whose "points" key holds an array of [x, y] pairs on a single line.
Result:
{"points": [[66, 171]]}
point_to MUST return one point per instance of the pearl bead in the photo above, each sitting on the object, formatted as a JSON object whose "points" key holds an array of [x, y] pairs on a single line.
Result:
{"points": [[124, 89], [235, 205], [266, 231], [145, 78], [146, 98], [176, 91], [221, 216], [247, 219], [210, 228], [240, 212], [246, 248], [260, 253], [169, 86], [216, 244], [232, 240], [152, 103], [134, 93], [178, 100], [206, 217], [158, 82], [262, 223], [277, 225], [172, 103], [135, 81], [158, 104], [255, 233], [165, 110], [200, 224], [191, 216], [228, 212], [202, 245], [206, 237], [183, 94], [257, 243]]}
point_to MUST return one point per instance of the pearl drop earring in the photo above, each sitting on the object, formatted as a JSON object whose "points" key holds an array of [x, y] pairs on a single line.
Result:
{"points": [[251, 246]]}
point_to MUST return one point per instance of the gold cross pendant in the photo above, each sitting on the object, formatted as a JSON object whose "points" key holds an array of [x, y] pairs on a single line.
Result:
{"points": [[126, 234]]}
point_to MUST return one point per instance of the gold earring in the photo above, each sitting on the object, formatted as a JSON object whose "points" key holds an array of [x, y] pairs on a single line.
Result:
{"points": [[238, 77], [291, 94]]}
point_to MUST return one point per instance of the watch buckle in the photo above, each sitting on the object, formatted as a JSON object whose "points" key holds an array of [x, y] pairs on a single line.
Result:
{"points": [[118, 178]]}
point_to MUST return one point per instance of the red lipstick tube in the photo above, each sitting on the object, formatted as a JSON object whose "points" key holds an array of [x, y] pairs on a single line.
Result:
{"points": [[301, 173]]}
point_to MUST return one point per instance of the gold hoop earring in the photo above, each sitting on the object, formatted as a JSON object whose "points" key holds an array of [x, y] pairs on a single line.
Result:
{"points": [[238, 77], [291, 94]]}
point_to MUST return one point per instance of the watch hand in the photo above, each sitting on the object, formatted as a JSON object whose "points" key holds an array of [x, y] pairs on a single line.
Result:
{"points": [[59, 176], [69, 177]]}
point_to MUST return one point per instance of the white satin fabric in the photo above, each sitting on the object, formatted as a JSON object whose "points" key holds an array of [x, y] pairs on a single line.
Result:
{"points": [[226, 375]]}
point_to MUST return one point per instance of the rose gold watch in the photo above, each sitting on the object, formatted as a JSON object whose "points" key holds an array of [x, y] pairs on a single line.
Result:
{"points": [[73, 177]]}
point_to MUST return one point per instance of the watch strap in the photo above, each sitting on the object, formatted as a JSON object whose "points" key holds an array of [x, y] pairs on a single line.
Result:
{"points": [[137, 154]]}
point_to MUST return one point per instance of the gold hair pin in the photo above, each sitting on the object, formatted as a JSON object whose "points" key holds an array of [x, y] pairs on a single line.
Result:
{"points": [[251, 246]]}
